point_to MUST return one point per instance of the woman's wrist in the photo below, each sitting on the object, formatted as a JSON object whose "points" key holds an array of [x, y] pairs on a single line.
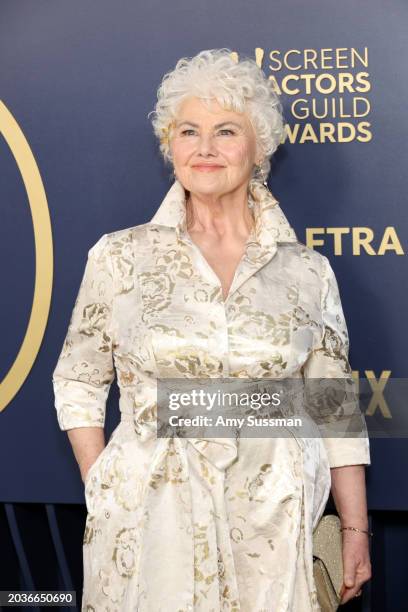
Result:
{"points": [[86, 465], [354, 519], [84, 471], [351, 528]]}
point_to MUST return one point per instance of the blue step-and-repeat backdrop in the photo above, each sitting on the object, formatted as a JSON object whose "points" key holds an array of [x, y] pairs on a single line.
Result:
{"points": [[78, 159]]}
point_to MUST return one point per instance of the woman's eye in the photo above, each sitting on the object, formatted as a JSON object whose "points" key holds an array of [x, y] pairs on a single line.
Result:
{"points": [[226, 131], [187, 132]]}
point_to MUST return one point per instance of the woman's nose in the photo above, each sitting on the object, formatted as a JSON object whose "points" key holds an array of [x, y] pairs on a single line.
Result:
{"points": [[206, 145]]}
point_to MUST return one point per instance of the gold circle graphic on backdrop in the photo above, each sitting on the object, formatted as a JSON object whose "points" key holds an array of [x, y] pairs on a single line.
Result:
{"points": [[40, 215]]}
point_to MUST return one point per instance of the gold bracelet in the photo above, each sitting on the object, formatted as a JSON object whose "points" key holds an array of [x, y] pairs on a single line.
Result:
{"points": [[370, 533]]}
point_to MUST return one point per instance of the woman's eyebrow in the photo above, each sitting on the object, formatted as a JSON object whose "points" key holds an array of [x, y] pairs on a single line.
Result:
{"points": [[218, 125]]}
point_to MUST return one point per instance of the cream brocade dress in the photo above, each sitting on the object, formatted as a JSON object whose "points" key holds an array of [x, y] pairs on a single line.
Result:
{"points": [[174, 525]]}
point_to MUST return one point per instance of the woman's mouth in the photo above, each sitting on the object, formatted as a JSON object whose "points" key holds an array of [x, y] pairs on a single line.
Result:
{"points": [[207, 167]]}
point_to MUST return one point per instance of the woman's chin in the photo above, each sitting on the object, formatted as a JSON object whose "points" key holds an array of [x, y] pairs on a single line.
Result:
{"points": [[207, 185]]}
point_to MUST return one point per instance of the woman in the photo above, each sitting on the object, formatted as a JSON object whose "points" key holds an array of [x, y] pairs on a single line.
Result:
{"points": [[215, 285]]}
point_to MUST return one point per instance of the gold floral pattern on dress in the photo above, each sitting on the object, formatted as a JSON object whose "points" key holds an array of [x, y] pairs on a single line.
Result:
{"points": [[125, 551], [89, 532], [157, 291], [112, 587]]}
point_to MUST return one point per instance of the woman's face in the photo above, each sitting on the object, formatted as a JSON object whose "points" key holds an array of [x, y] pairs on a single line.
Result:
{"points": [[213, 149]]}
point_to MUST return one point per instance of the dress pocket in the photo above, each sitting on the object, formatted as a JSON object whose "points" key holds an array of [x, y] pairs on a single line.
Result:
{"points": [[93, 478], [92, 468]]}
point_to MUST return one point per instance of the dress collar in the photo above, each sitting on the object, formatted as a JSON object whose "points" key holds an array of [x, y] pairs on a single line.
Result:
{"points": [[271, 225]]}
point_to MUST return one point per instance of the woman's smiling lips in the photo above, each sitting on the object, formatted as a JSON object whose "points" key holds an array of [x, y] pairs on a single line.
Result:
{"points": [[207, 167]]}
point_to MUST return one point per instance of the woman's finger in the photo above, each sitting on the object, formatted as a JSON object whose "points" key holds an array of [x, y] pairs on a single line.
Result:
{"points": [[350, 593]]}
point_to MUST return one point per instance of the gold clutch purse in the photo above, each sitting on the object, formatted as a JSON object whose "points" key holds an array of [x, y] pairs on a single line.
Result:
{"points": [[328, 562]]}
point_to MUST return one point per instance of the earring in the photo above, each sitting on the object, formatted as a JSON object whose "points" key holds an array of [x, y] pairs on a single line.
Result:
{"points": [[258, 175]]}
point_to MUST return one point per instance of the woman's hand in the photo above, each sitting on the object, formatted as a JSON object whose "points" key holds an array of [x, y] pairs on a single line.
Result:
{"points": [[356, 564], [349, 494]]}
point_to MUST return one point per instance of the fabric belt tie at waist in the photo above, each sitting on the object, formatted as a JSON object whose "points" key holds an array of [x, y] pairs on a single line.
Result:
{"points": [[220, 452]]}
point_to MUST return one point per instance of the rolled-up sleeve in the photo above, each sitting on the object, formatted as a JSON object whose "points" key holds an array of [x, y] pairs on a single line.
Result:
{"points": [[85, 370], [329, 359]]}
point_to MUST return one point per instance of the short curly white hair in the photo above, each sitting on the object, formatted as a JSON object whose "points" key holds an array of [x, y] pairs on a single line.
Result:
{"points": [[236, 85]]}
